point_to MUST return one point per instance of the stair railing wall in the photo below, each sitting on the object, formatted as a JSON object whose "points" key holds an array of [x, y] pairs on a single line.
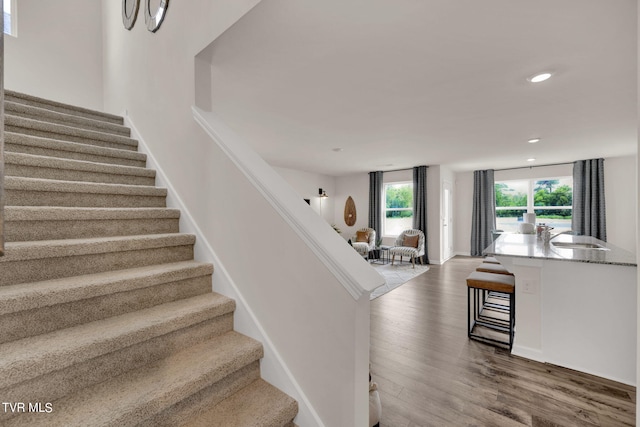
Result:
{"points": [[315, 330], [316, 307]]}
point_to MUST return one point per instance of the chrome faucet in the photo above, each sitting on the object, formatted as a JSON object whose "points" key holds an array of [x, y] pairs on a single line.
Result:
{"points": [[547, 237]]}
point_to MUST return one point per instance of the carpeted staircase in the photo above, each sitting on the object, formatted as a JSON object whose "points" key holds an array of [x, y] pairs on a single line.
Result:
{"points": [[105, 317]]}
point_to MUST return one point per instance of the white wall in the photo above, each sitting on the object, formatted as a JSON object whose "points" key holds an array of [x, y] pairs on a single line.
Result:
{"points": [[620, 199], [463, 212], [434, 210], [58, 51], [306, 184], [620, 188], [447, 176]]}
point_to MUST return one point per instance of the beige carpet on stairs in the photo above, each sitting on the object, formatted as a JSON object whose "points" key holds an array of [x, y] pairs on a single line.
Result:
{"points": [[105, 317]]}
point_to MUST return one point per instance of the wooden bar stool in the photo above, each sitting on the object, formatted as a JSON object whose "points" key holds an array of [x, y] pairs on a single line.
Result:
{"points": [[494, 308], [493, 268], [497, 269]]}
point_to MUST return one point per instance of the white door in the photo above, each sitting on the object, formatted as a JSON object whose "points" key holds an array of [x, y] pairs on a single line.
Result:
{"points": [[447, 214]]}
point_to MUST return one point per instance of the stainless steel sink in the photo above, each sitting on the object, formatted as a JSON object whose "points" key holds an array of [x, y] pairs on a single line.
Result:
{"points": [[576, 245]]}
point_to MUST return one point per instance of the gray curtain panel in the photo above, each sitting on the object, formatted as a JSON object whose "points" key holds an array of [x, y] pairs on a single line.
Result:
{"points": [[589, 214], [420, 205], [484, 211], [375, 202]]}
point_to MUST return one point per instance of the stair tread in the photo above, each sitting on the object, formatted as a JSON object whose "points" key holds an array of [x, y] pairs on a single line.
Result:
{"points": [[33, 356], [257, 405], [59, 213], [37, 249], [17, 138], [41, 184], [27, 296], [76, 165], [26, 98], [59, 129], [132, 397], [17, 108]]}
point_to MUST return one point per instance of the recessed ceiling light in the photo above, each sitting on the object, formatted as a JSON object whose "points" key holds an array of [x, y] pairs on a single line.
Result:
{"points": [[531, 159], [533, 140], [338, 149], [537, 78]]}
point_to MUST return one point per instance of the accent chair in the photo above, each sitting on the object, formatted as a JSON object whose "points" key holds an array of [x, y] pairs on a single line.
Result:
{"points": [[364, 241], [410, 243]]}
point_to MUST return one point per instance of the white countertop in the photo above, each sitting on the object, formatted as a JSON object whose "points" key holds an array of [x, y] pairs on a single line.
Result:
{"points": [[530, 246]]}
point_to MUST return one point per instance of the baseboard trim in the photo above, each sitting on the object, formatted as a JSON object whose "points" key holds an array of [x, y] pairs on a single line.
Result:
{"points": [[272, 366], [528, 353]]}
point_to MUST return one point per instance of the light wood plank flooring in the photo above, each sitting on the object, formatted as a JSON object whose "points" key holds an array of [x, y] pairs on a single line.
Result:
{"points": [[430, 374]]}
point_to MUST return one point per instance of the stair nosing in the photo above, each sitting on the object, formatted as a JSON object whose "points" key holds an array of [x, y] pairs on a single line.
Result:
{"points": [[257, 393], [58, 129], [40, 249], [36, 160], [56, 185], [56, 104], [21, 297], [18, 138], [53, 116], [66, 213], [40, 354]]}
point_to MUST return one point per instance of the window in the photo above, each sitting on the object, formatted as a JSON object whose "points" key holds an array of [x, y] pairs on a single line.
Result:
{"points": [[398, 208], [10, 20], [549, 198]]}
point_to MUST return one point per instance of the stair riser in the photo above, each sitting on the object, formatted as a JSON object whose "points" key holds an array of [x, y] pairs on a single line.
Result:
{"points": [[47, 319], [205, 398], [71, 155], [22, 231], [52, 198], [49, 116], [26, 171], [61, 108], [52, 386], [70, 138], [31, 270]]}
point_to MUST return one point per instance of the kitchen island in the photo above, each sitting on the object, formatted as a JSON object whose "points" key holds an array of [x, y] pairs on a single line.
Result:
{"points": [[575, 302]]}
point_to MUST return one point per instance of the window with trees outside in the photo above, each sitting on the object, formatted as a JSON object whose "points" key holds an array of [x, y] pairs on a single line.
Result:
{"points": [[398, 208], [550, 199]]}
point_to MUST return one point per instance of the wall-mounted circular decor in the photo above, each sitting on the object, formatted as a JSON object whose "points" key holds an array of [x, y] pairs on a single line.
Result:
{"points": [[130, 13], [350, 212], [154, 15]]}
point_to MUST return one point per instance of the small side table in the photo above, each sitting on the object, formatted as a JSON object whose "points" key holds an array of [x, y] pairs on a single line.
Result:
{"points": [[383, 255]]}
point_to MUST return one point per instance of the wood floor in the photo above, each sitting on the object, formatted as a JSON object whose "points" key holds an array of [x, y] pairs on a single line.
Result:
{"points": [[430, 374]]}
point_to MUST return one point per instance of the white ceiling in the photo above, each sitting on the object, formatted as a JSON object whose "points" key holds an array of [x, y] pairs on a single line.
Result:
{"points": [[399, 83]]}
